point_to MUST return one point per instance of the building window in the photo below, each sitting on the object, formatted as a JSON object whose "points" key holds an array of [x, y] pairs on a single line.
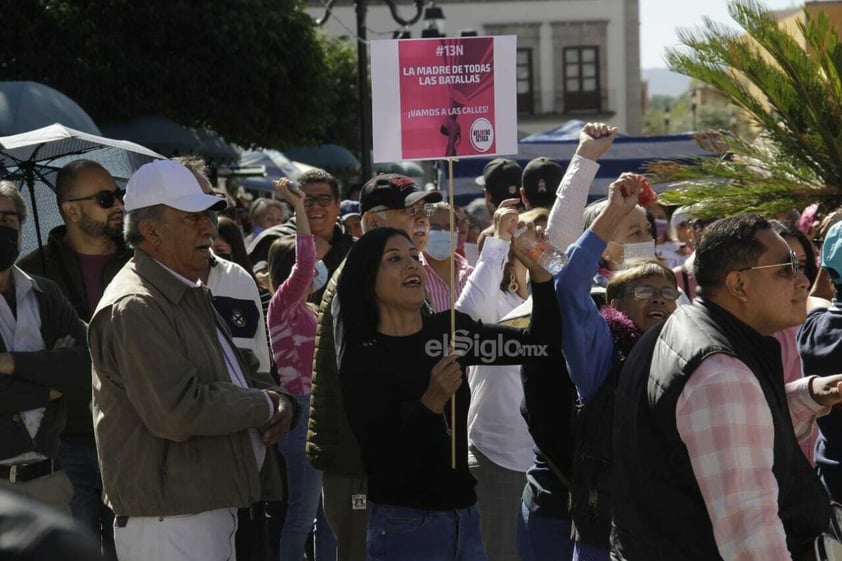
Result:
{"points": [[581, 79], [525, 86]]}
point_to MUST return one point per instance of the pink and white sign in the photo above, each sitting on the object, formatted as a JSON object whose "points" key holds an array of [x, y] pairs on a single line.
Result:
{"points": [[443, 98]]}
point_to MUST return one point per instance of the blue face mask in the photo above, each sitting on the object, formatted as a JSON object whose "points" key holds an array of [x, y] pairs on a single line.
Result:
{"points": [[438, 244], [320, 278]]}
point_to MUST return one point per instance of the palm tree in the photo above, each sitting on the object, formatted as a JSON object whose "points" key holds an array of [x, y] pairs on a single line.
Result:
{"points": [[792, 93]]}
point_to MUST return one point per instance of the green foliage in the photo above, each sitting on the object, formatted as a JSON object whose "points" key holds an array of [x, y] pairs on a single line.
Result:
{"points": [[714, 113], [798, 109], [747, 176], [342, 97], [253, 70], [661, 102]]}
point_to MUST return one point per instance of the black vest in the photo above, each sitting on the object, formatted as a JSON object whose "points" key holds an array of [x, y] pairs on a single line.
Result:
{"points": [[659, 513]]}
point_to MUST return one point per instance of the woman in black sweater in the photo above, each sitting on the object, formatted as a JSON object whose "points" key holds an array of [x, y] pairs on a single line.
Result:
{"points": [[398, 375]]}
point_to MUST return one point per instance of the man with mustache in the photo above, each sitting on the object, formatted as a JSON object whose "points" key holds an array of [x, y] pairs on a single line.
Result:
{"points": [[82, 257], [183, 421]]}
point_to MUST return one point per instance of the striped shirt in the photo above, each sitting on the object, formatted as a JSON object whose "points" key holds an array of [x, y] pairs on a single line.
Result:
{"points": [[438, 289]]}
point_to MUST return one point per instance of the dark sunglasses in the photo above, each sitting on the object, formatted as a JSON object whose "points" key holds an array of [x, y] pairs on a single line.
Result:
{"points": [[104, 199]]}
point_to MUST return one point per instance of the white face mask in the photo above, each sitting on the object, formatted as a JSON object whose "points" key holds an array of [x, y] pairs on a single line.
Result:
{"points": [[320, 278], [438, 244], [640, 250]]}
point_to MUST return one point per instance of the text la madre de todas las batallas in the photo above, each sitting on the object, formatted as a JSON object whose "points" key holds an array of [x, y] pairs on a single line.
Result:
{"points": [[447, 75]]}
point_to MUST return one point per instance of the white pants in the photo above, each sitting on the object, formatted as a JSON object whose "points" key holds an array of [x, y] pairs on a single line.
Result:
{"points": [[206, 536]]}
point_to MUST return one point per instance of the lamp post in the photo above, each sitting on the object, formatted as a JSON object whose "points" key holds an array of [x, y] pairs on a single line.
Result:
{"points": [[433, 21], [694, 101], [361, 10]]}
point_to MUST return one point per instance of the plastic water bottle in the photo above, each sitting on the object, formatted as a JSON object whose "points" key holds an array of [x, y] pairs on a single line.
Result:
{"points": [[544, 253]]}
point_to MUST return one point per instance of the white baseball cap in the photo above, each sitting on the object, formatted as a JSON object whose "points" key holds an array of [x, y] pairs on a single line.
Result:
{"points": [[165, 182]]}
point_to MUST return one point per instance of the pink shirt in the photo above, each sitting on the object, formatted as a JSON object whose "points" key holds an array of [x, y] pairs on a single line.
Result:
{"points": [[292, 324], [793, 370], [725, 423], [438, 290]]}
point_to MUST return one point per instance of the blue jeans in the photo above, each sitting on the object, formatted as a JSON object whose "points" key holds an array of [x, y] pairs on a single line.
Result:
{"points": [[304, 494], [541, 538], [81, 466], [586, 552], [397, 533]]}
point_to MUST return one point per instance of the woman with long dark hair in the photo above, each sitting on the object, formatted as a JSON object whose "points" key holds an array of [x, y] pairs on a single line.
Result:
{"points": [[229, 244], [398, 375]]}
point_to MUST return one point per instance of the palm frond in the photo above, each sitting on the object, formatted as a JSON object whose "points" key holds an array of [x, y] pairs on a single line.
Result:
{"points": [[746, 177], [792, 93]]}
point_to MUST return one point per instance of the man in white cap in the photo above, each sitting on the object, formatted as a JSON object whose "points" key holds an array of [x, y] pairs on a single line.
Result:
{"points": [[181, 428]]}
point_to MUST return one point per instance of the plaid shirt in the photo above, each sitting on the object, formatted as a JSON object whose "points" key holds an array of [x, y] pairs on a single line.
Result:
{"points": [[726, 425]]}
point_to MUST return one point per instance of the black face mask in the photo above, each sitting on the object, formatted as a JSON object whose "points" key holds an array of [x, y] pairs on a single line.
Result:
{"points": [[9, 249]]}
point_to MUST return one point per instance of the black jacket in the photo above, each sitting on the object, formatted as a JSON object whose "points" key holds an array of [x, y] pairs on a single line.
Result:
{"points": [[67, 370], [547, 408], [659, 512]]}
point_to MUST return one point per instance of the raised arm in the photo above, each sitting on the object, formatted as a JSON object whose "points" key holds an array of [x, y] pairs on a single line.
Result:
{"points": [[565, 222], [586, 340], [479, 297]]}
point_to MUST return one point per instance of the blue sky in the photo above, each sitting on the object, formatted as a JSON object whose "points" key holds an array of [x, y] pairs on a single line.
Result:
{"points": [[660, 18]]}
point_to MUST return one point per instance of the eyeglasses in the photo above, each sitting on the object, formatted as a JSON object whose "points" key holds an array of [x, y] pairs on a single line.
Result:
{"points": [[645, 292], [105, 199], [417, 210], [790, 273], [323, 200], [193, 218]]}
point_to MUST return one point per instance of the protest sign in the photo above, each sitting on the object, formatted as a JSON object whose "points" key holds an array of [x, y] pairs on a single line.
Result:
{"points": [[443, 98]]}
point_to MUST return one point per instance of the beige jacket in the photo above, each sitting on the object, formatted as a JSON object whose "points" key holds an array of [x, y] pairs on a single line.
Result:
{"points": [[171, 428]]}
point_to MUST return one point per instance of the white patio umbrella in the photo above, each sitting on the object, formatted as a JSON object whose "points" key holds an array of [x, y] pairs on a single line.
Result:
{"points": [[33, 159]]}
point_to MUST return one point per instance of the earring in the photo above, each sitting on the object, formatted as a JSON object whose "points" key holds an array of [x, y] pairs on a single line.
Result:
{"points": [[513, 285]]}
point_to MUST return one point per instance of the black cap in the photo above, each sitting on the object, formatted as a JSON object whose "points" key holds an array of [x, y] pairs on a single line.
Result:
{"points": [[391, 191], [501, 179], [541, 178]]}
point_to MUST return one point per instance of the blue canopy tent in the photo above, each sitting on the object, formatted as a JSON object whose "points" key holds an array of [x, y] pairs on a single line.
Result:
{"points": [[628, 153]]}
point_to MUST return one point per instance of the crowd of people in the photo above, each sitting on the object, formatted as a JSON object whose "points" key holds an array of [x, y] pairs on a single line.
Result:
{"points": [[317, 381]]}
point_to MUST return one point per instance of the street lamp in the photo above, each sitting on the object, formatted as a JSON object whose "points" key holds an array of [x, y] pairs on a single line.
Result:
{"points": [[433, 21], [361, 9], [694, 101], [667, 119]]}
